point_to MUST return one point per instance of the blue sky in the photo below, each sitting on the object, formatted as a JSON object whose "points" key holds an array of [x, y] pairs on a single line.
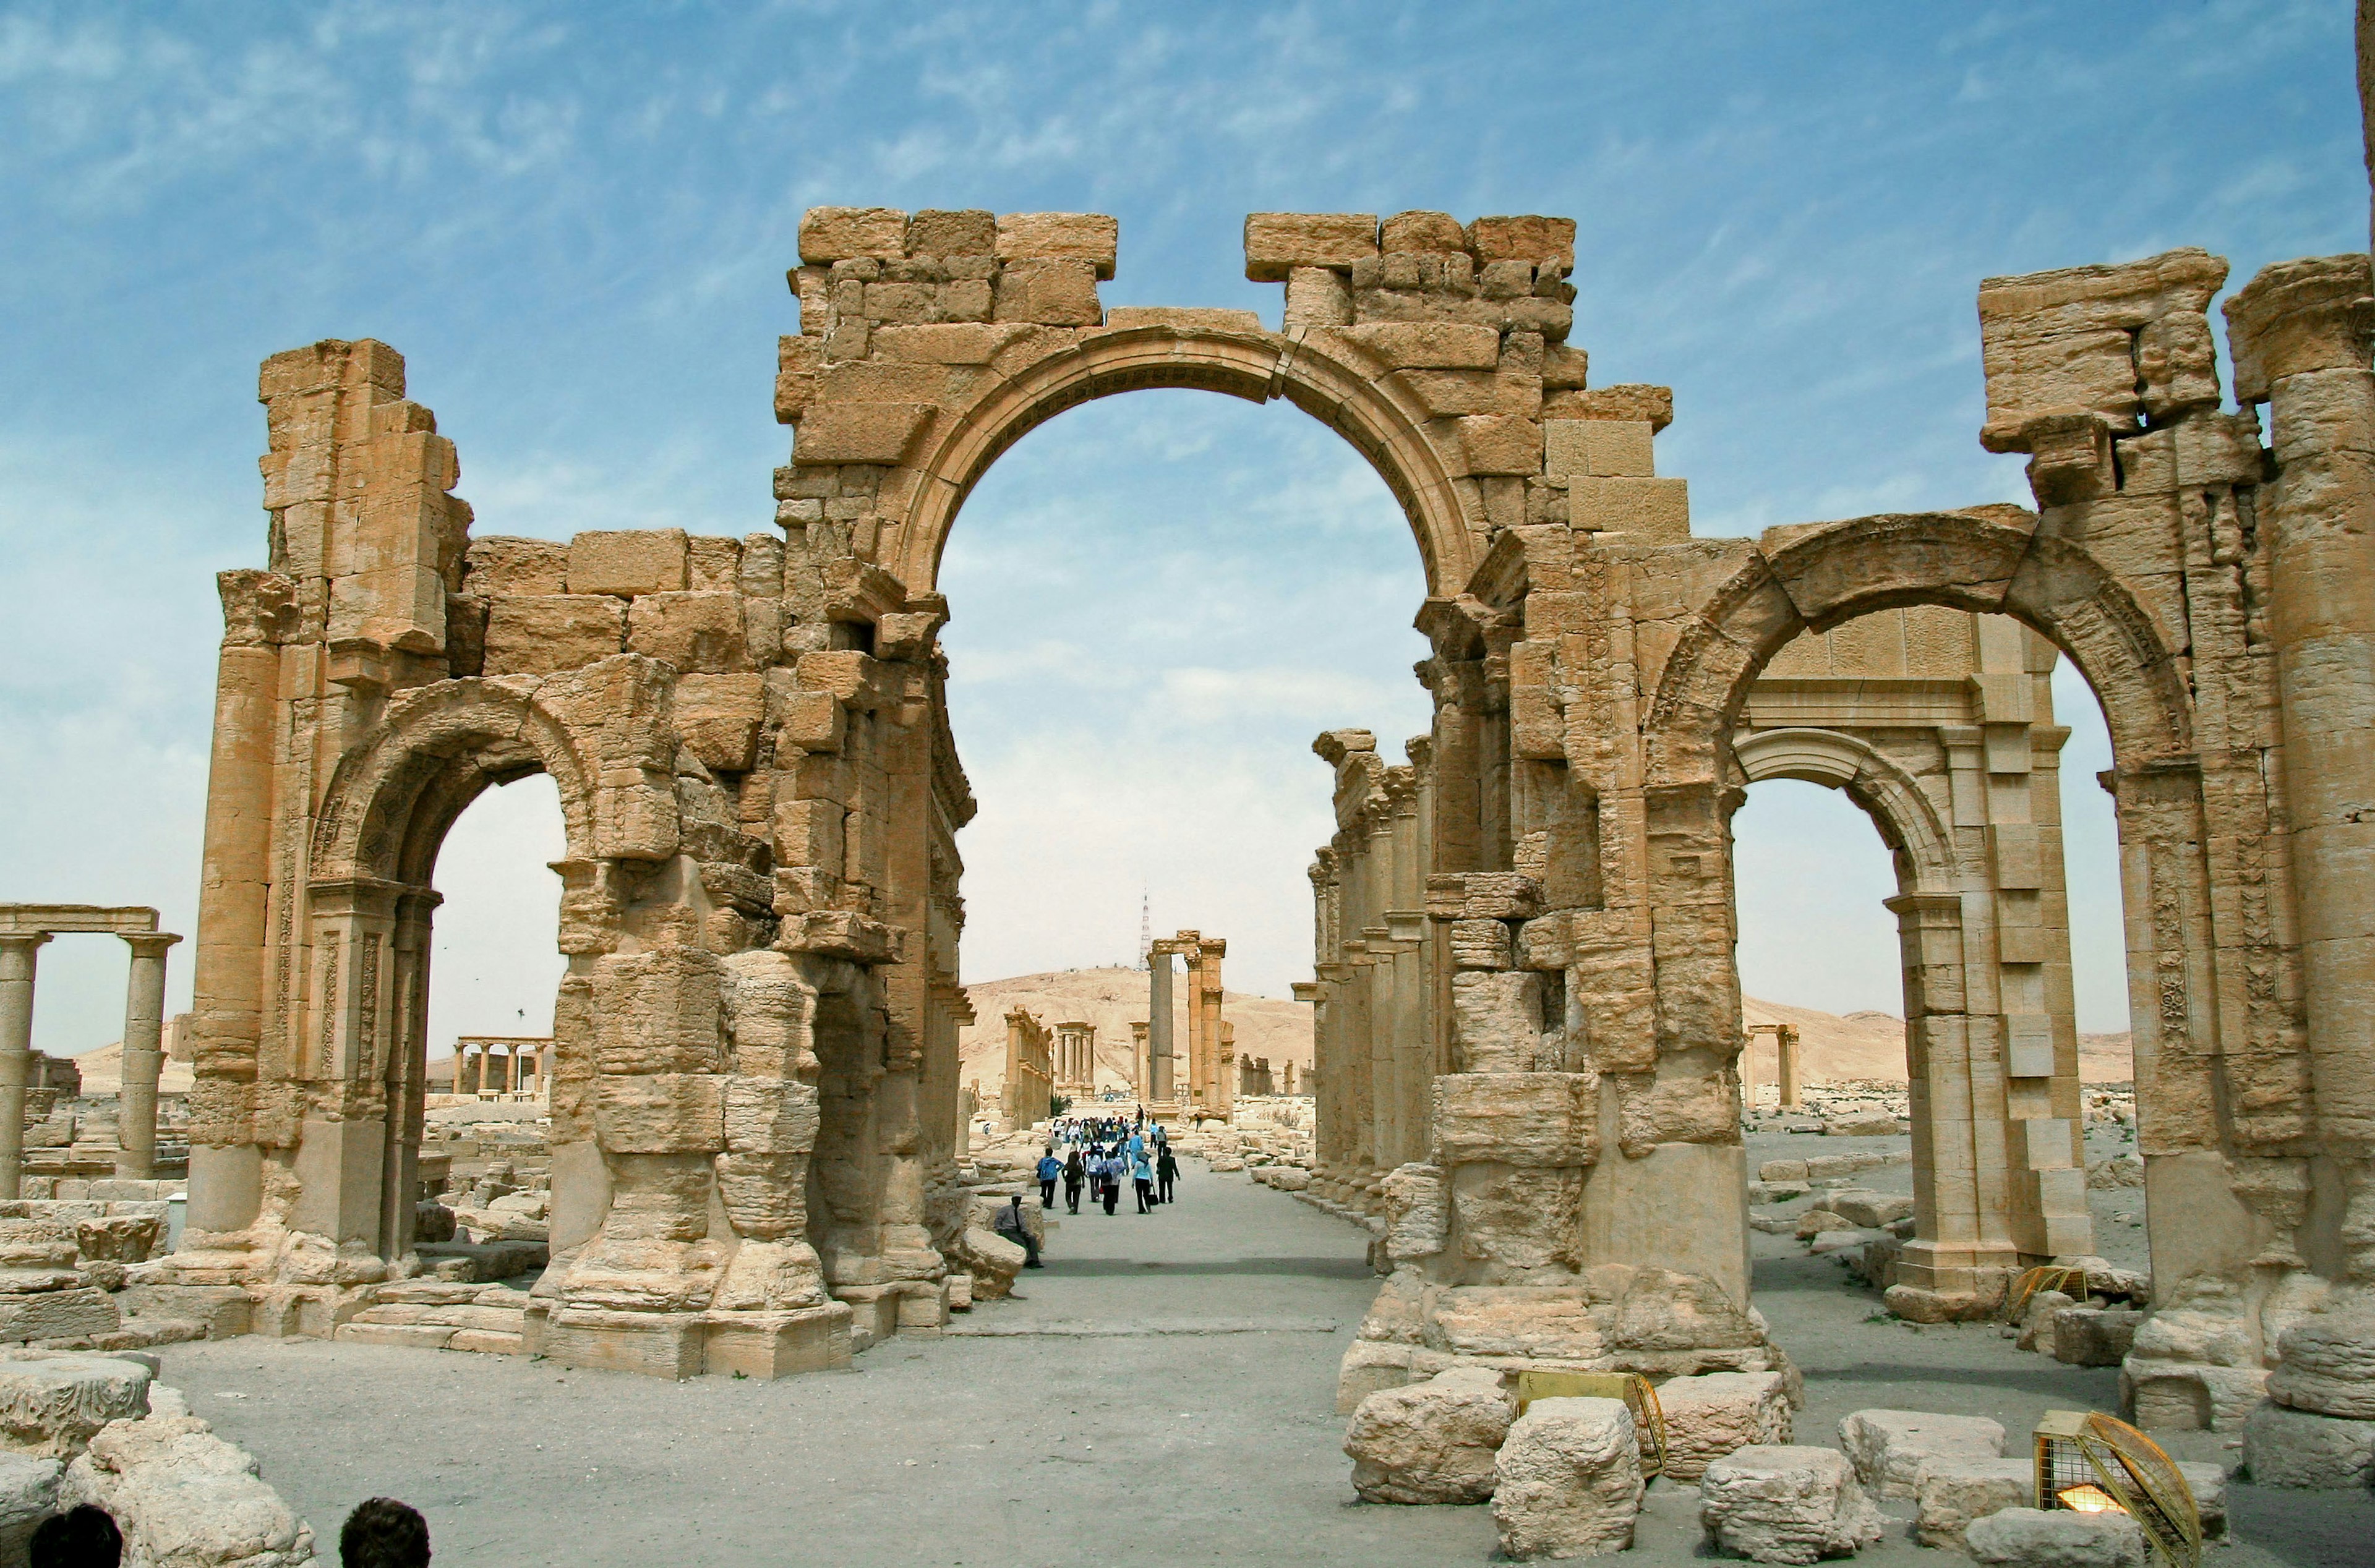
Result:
{"points": [[575, 220]]}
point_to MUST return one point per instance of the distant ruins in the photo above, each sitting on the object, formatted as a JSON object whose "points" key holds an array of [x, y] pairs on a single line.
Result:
{"points": [[1530, 1014]]}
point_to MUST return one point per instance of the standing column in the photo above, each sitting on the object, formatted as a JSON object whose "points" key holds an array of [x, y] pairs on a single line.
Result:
{"points": [[17, 950], [458, 1066], [1158, 1027], [144, 1057]]}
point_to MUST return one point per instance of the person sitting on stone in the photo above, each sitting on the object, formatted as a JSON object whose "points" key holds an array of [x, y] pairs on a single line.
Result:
{"points": [[84, 1537], [384, 1533], [1010, 1224]]}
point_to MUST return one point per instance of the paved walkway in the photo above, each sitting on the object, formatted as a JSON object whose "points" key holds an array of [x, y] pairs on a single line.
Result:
{"points": [[1164, 1394]]}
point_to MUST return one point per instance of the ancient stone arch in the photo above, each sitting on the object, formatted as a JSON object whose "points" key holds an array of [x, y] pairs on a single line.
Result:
{"points": [[759, 1141], [1908, 819]]}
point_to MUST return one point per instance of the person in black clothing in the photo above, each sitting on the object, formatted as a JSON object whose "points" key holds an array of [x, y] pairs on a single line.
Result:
{"points": [[384, 1533], [1166, 1169], [1075, 1172]]}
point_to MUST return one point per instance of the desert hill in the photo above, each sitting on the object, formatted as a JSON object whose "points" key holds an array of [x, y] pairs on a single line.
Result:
{"points": [[1832, 1046]]}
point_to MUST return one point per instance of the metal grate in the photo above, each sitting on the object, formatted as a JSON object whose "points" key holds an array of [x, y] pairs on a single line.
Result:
{"points": [[2089, 1462], [1648, 1418], [2071, 1282]]}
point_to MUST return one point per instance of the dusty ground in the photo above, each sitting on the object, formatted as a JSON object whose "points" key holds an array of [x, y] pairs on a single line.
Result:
{"points": [[1164, 1396]]}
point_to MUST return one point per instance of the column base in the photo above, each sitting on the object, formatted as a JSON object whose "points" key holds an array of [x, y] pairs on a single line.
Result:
{"points": [[654, 1344], [778, 1344], [1958, 1270]]}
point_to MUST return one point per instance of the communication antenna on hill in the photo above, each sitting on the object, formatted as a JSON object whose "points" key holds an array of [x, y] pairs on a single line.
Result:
{"points": [[1145, 928]]}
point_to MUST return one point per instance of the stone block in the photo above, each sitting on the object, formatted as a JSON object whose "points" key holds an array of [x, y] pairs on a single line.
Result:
{"points": [[52, 1408], [1277, 242], [1567, 1481], [779, 1344], [1540, 240], [181, 1495], [718, 716], [28, 1494], [2327, 1366], [2060, 1537], [410, 1336], [626, 562], [1782, 1171], [1318, 296], [1868, 1211], [858, 433], [654, 1344], [1715, 1413], [2085, 1336], [1785, 1503], [1481, 944], [539, 634], [1658, 511], [1438, 346], [1050, 293], [1089, 237], [1501, 445], [1598, 448], [1949, 1492], [2208, 1484], [1887, 1447], [2188, 1396], [495, 566], [808, 721], [487, 1341], [829, 234], [58, 1314], [1496, 1017], [1408, 232], [694, 633], [2302, 1449], [1432, 1442], [1536, 1120], [972, 232], [660, 1113]]}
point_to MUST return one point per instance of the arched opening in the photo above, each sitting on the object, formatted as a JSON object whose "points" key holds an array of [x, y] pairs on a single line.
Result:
{"points": [[1155, 603], [1988, 561], [1942, 728]]}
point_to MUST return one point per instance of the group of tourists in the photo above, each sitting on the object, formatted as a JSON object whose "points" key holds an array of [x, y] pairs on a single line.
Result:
{"points": [[1099, 1154]]}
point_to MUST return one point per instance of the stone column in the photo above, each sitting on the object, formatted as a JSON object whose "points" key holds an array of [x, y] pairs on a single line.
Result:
{"points": [[1785, 1063], [458, 1055], [17, 951], [144, 1028], [1158, 1028], [2299, 335]]}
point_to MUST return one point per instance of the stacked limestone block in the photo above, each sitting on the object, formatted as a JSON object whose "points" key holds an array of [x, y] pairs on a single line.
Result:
{"points": [[733, 726]]}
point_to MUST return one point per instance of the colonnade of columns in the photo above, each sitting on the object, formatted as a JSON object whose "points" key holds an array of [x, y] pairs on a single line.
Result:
{"points": [[500, 1065], [1382, 986], [1076, 1057], [1785, 1062], [23, 929], [1212, 1051]]}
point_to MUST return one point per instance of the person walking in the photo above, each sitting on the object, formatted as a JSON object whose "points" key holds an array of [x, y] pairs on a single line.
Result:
{"points": [[1049, 1168], [1166, 1171], [1142, 1176], [1075, 1172], [1111, 1167]]}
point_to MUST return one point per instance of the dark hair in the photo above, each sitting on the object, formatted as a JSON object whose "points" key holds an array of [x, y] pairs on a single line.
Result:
{"points": [[384, 1533], [83, 1536]]}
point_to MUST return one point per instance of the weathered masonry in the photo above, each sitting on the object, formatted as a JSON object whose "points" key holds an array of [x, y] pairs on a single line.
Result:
{"points": [[1939, 724], [754, 1092]]}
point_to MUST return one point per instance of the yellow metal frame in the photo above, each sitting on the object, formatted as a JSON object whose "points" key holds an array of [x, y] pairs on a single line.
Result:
{"points": [[2133, 1469]]}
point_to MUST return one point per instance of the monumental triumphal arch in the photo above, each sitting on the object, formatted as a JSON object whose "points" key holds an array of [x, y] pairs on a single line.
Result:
{"points": [[755, 1086]]}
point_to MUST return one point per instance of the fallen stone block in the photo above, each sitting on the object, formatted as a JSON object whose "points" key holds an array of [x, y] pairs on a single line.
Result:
{"points": [[1717, 1413], [417, 1336], [28, 1494], [184, 1497], [1871, 1210], [1887, 1447], [2208, 1484], [2060, 1537], [2302, 1449], [1781, 1171], [50, 1408], [2085, 1336], [1432, 1442], [1843, 1239], [1568, 1479], [1786, 1504], [2037, 1319], [486, 1341], [1816, 1220], [993, 1261], [2327, 1364], [1949, 1492]]}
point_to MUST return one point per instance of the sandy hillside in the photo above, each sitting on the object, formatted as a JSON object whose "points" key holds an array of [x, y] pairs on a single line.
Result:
{"points": [[102, 1072], [1856, 1045], [1111, 998]]}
